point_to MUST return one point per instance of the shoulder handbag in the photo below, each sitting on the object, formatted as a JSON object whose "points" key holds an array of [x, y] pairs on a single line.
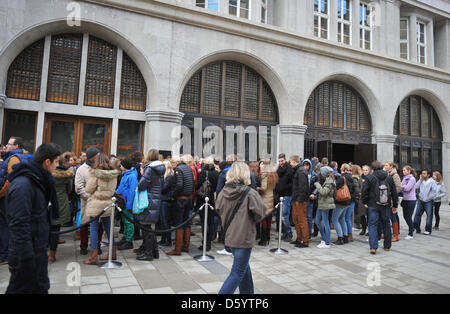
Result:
{"points": [[140, 202], [205, 188], [235, 210], [343, 194]]}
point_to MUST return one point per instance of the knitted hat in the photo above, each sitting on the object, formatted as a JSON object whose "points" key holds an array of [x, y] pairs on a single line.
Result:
{"points": [[91, 152], [325, 171], [127, 163]]}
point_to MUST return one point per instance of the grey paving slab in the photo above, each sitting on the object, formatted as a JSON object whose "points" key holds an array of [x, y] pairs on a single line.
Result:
{"points": [[420, 266]]}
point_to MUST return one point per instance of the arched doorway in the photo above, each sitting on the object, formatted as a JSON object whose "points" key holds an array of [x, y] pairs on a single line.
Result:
{"points": [[339, 125], [419, 135], [233, 102]]}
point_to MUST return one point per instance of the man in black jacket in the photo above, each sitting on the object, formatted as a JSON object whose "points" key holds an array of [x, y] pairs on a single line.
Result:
{"points": [[31, 199], [300, 197], [370, 196], [184, 188], [284, 189]]}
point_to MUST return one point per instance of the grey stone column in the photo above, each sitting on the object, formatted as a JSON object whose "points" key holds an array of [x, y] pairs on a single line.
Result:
{"points": [[332, 20], [292, 140], [2, 113], [159, 129], [446, 166], [413, 38], [385, 147]]}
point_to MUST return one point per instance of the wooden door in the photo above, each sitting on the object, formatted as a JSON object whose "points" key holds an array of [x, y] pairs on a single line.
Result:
{"points": [[76, 134]]}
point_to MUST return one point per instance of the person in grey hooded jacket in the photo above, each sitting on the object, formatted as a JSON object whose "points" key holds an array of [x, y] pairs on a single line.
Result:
{"points": [[427, 190]]}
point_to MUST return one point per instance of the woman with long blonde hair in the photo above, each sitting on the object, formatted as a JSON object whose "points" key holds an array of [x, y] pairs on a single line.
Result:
{"points": [[269, 180], [167, 202]]}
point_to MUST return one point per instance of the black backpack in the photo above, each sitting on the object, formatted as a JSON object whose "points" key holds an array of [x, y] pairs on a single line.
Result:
{"points": [[382, 192], [205, 188]]}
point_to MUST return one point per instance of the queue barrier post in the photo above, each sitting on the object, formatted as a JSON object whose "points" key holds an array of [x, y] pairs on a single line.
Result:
{"points": [[204, 257], [279, 250], [110, 264]]}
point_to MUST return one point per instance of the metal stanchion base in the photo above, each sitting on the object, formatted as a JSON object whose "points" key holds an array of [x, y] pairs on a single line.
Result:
{"points": [[110, 265], [203, 258], [279, 251]]}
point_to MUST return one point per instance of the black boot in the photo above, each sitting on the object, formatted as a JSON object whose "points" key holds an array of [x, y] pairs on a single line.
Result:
{"points": [[155, 248], [125, 246], [339, 241], [363, 225], [345, 239], [147, 254]]}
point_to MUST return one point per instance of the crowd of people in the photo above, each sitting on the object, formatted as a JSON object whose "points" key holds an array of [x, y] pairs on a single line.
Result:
{"points": [[40, 194]]}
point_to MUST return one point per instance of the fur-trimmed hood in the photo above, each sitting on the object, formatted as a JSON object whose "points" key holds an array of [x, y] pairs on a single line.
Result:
{"points": [[104, 174], [60, 173]]}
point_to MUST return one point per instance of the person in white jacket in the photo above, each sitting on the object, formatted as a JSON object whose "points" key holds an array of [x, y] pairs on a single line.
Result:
{"points": [[440, 194]]}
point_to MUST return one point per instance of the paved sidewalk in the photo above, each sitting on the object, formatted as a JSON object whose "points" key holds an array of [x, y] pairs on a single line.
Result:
{"points": [[421, 265]]}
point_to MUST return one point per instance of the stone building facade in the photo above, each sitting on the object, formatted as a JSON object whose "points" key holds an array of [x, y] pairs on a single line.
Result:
{"points": [[350, 79]]}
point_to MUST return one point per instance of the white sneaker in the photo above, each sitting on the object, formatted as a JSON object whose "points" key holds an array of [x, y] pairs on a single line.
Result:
{"points": [[408, 237], [321, 244], [426, 233], [325, 246], [224, 252]]}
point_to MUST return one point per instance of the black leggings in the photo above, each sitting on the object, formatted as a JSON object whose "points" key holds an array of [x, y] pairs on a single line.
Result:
{"points": [[437, 206], [54, 238]]}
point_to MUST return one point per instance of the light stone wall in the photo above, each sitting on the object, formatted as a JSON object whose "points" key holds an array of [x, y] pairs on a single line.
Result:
{"points": [[169, 43]]}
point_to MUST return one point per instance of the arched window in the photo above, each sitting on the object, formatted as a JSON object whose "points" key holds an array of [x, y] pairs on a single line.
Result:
{"points": [[337, 105], [419, 135], [24, 74], [229, 94], [64, 68]]}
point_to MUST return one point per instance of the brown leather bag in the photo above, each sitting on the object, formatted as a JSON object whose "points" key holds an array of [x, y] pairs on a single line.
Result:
{"points": [[343, 194]]}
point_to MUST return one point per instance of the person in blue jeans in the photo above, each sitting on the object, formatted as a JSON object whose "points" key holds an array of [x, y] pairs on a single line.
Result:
{"points": [[339, 213], [240, 208], [326, 188], [427, 189], [378, 193]]}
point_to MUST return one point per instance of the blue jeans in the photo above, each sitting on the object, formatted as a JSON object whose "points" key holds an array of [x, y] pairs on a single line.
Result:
{"points": [[325, 231], [286, 213], [106, 222], [182, 212], [424, 207], [375, 215], [348, 217], [408, 210], [309, 216], [241, 275], [338, 219], [4, 231]]}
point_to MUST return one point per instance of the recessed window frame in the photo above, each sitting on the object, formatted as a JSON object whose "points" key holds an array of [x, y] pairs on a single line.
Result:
{"points": [[422, 44], [264, 5], [404, 41], [342, 21], [363, 29], [239, 8], [320, 15], [207, 4]]}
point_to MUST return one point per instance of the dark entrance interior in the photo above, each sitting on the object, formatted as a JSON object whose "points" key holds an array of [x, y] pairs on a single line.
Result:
{"points": [[360, 154], [343, 153]]}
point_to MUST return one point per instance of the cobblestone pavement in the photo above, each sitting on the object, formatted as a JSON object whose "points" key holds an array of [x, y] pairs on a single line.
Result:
{"points": [[421, 265]]}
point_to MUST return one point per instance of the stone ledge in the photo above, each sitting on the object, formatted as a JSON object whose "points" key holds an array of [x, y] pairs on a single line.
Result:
{"points": [[293, 129], [164, 116], [385, 138]]}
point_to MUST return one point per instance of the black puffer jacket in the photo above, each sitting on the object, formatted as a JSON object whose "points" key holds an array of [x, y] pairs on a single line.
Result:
{"points": [[369, 193], [152, 181], [300, 185], [168, 188], [286, 176], [340, 184], [184, 181]]}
